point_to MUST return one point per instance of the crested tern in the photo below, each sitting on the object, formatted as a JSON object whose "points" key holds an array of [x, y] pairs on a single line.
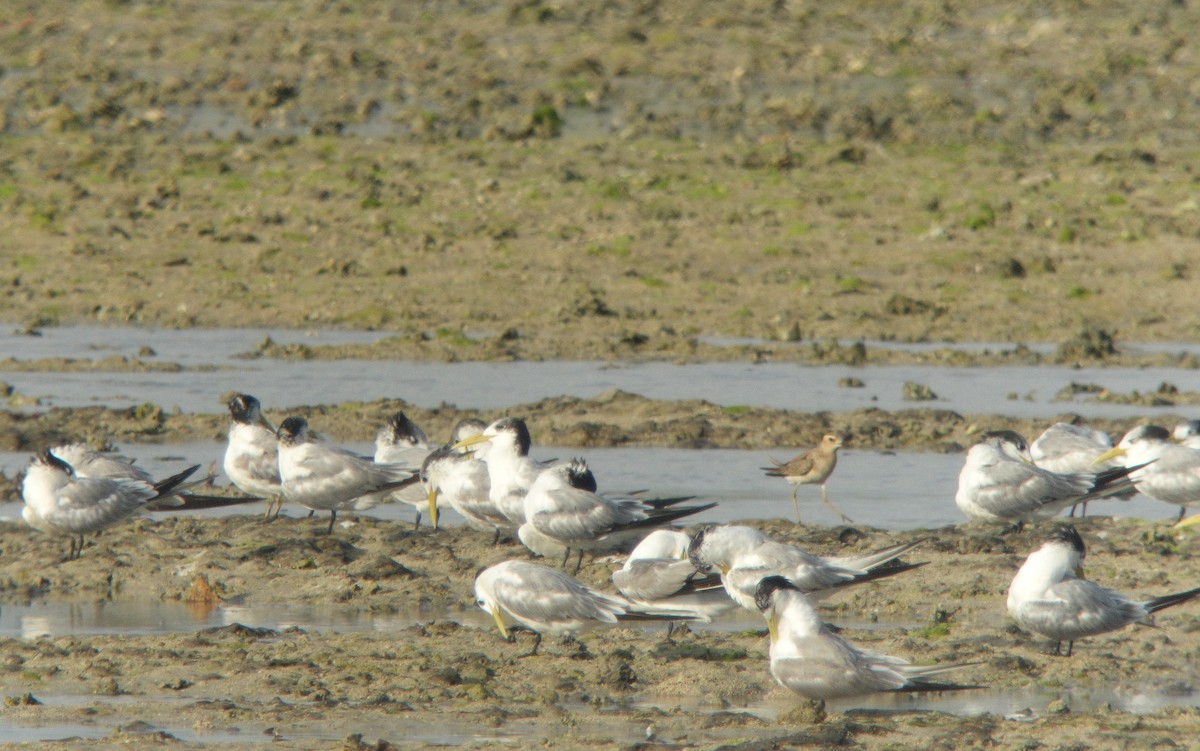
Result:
{"points": [[562, 507], [999, 482], [812, 661], [59, 502], [546, 601], [504, 447], [327, 478], [400, 442], [1068, 448], [745, 556], [252, 453], [1048, 598], [658, 577], [1162, 470]]}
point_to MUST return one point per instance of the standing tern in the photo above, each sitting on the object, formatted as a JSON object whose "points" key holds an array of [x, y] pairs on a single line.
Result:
{"points": [[562, 506], [327, 478], [809, 659], [546, 601], [504, 447], [400, 442], [658, 577], [811, 468], [745, 556], [1049, 598], [998, 482], [252, 454], [87, 462], [1160, 469], [59, 502], [462, 481]]}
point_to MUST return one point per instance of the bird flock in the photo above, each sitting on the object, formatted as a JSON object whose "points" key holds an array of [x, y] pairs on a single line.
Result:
{"points": [[555, 510]]}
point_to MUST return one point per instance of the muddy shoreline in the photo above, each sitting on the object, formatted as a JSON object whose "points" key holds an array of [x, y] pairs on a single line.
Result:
{"points": [[601, 691]]}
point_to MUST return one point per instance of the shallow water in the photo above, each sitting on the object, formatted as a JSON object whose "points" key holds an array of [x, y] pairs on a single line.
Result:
{"points": [[896, 491], [1017, 391]]}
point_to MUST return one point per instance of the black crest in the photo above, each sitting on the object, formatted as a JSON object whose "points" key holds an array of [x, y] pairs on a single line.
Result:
{"points": [[50, 460], [517, 427], [292, 428], [1067, 535], [243, 408], [1150, 433], [694, 549], [1007, 436], [580, 477], [767, 586]]}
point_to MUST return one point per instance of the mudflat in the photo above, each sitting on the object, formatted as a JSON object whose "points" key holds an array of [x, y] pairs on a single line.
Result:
{"points": [[647, 180]]}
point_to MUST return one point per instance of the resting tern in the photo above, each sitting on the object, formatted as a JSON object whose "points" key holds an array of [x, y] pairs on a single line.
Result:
{"points": [[658, 577], [252, 454], [1068, 448], [400, 442], [1188, 433], [1160, 469], [811, 468], [327, 478], [1048, 598], [745, 556], [809, 659], [998, 482], [59, 502], [546, 601], [562, 507]]}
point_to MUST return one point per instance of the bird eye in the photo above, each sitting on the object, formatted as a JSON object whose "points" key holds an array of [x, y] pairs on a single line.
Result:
{"points": [[481, 603]]}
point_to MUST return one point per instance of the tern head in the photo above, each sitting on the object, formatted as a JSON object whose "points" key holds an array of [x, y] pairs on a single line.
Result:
{"points": [[579, 476], [468, 427], [1008, 441], [1145, 434], [485, 595], [717, 545], [662, 543], [510, 432], [47, 460], [766, 589], [399, 430], [246, 410], [293, 431], [1186, 429], [1066, 535]]}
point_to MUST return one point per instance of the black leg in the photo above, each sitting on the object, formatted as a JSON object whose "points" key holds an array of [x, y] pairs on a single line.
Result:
{"points": [[578, 563], [332, 519], [417, 524]]}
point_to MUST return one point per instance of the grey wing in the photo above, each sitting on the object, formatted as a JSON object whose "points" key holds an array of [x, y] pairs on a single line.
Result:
{"points": [[808, 572], [1015, 489], [92, 503], [545, 596], [653, 578], [1077, 607], [1174, 478], [828, 668], [580, 515], [89, 463]]}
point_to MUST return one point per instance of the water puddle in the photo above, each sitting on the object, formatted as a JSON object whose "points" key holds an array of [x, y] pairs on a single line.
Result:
{"points": [[1017, 391]]}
